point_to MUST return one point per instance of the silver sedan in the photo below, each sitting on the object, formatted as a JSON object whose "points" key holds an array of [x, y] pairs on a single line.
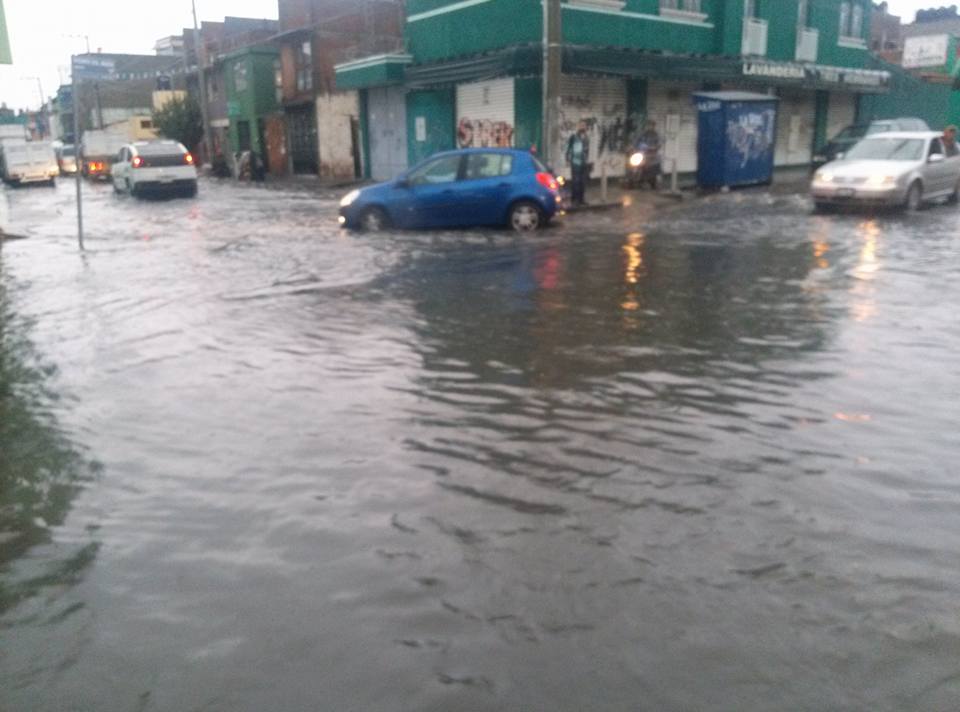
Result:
{"points": [[902, 169]]}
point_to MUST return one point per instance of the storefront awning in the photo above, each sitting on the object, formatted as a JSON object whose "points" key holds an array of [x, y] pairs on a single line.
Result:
{"points": [[377, 70], [629, 63]]}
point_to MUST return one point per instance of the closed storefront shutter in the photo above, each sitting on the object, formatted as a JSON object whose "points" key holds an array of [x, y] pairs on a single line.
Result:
{"points": [[841, 112], [387, 121], [602, 104], [671, 106], [485, 114], [796, 116]]}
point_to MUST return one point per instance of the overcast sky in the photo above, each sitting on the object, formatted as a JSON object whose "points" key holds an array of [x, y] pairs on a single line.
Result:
{"points": [[40, 29]]}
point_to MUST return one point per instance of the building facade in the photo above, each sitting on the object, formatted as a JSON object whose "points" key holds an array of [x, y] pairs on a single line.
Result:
{"points": [[470, 75], [252, 99], [321, 120]]}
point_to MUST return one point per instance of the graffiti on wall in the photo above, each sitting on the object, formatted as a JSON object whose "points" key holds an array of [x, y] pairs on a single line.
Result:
{"points": [[611, 131], [484, 133], [750, 135]]}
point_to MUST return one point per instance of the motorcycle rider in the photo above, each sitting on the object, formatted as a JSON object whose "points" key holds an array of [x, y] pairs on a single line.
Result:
{"points": [[649, 143]]}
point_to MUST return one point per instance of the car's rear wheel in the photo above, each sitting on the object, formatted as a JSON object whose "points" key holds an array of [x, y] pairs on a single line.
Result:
{"points": [[822, 208], [374, 220], [191, 191], [955, 195], [914, 199], [526, 216]]}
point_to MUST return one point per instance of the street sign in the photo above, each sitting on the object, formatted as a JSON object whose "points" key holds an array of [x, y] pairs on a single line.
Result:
{"points": [[5, 56], [926, 52]]}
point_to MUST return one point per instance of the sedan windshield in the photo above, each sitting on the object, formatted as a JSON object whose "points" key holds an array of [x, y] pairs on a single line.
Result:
{"points": [[887, 149]]}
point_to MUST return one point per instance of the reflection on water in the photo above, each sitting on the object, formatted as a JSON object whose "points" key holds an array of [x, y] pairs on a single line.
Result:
{"points": [[660, 463], [40, 471]]}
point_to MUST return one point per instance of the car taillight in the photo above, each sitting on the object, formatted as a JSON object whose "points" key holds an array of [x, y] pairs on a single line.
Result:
{"points": [[548, 182], [188, 159], [137, 162]]}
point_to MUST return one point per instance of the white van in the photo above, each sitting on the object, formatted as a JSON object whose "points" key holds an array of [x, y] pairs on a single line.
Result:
{"points": [[24, 162]]}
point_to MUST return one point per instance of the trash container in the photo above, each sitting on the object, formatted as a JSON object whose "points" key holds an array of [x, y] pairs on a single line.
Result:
{"points": [[737, 137]]}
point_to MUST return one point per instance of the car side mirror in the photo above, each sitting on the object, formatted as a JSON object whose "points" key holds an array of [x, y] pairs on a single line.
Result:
{"points": [[840, 156], [936, 158], [403, 182]]}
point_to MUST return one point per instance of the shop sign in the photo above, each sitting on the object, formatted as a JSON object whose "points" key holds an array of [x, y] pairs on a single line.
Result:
{"points": [[931, 51], [816, 74]]}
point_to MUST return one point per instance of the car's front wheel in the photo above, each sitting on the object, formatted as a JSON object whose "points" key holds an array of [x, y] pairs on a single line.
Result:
{"points": [[374, 220], [526, 216], [955, 195], [914, 197]]}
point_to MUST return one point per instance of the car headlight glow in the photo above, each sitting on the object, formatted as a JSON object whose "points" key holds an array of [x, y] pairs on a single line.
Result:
{"points": [[824, 177], [349, 198], [881, 180], [636, 160]]}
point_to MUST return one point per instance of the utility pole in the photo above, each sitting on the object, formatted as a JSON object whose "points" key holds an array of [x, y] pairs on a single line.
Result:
{"points": [[77, 146], [202, 79], [552, 71]]}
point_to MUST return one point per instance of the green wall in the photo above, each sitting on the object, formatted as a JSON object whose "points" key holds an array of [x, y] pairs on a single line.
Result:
{"points": [[490, 25], [528, 113], [257, 100], [937, 104], [607, 29], [438, 108]]}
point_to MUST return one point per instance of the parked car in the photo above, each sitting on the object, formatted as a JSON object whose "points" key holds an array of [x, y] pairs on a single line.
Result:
{"points": [[904, 169], [845, 140], [466, 188], [67, 159], [23, 162], [155, 168]]}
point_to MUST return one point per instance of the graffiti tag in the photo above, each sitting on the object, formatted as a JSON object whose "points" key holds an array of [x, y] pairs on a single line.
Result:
{"points": [[484, 133]]}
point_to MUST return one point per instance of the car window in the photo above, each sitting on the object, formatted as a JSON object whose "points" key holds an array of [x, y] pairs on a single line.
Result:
{"points": [[879, 127], [887, 149], [488, 165], [935, 147], [851, 133], [441, 170]]}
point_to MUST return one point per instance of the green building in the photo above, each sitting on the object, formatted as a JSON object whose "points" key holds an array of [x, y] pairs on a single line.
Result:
{"points": [[250, 78], [471, 74]]}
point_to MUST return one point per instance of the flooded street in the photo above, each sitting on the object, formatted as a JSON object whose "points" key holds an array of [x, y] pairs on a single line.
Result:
{"points": [[699, 459]]}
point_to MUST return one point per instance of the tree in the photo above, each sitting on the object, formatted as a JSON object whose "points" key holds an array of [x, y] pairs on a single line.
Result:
{"points": [[181, 120]]}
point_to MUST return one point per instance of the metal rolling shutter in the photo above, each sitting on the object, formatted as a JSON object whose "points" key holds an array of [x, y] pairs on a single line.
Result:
{"points": [[602, 103], [485, 114], [796, 115], [671, 106], [387, 119], [841, 112]]}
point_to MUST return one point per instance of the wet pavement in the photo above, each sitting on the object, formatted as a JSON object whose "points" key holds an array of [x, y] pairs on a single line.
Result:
{"points": [[699, 459]]}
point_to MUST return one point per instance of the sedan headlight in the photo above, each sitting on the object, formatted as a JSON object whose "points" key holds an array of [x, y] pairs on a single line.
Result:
{"points": [[349, 198], [824, 177], [881, 180]]}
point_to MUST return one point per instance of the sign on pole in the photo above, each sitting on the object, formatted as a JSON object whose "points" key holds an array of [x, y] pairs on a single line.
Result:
{"points": [[5, 55]]}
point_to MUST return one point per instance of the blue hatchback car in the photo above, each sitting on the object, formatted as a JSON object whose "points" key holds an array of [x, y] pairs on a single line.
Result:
{"points": [[466, 188]]}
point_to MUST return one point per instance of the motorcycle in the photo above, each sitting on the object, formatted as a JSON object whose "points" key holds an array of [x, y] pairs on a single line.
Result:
{"points": [[643, 167]]}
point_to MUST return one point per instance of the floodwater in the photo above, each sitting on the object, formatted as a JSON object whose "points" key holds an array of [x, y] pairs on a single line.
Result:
{"points": [[698, 459]]}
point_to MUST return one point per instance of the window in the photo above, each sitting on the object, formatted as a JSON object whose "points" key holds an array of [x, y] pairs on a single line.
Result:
{"points": [[856, 21], [305, 66], [240, 76], [803, 14], [442, 170], [488, 165], [750, 8], [213, 88], [278, 80], [681, 6], [936, 147], [146, 124]]}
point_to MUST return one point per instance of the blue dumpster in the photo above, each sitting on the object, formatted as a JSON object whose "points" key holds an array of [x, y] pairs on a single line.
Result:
{"points": [[737, 137]]}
